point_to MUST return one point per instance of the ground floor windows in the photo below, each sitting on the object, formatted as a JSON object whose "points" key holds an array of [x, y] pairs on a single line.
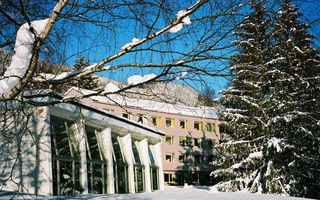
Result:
{"points": [[154, 178], [139, 177], [96, 165], [168, 177], [65, 159], [66, 176], [97, 177], [121, 178], [193, 178]]}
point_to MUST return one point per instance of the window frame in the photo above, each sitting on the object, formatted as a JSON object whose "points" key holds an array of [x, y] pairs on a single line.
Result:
{"points": [[172, 157], [126, 113], [170, 177], [171, 139]]}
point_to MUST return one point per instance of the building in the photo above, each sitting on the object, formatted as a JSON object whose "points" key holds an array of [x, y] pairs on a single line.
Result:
{"points": [[72, 148], [191, 132]]}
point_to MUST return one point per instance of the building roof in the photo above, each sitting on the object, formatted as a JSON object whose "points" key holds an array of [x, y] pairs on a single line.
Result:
{"points": [[116, 99], [49, 97]]}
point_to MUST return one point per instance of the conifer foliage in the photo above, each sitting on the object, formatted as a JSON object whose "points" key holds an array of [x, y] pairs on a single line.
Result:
{"points": [[87, 82], [272, 108], [244, 115]]}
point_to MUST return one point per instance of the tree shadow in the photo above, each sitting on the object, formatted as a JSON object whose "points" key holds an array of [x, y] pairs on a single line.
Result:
{"points": [[197, 161]]}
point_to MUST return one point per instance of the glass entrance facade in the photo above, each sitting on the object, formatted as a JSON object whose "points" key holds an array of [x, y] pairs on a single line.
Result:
{"points": [[67, 169]]}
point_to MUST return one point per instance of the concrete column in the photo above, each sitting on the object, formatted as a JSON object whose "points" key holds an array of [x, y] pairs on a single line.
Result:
{"points": [[80, 135], [142, 147], [126, 149], [43, 152], [156, 152], [105, 145]]}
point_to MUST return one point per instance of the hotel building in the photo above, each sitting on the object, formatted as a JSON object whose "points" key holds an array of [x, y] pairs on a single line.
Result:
{"points": [[190, 132]]}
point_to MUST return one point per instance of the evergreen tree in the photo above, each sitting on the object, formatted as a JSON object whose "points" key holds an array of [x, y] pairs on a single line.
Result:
{"points": [[287, 158], [245, 120], [87, 82], [294, 119]]}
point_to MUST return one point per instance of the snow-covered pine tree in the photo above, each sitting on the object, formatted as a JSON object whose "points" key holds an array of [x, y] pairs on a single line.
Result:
{"points": [[87, 82], [245, 120], [292, 152]]}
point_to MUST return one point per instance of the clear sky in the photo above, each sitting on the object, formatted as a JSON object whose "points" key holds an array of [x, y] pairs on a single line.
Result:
{"points": [[98, 42]]}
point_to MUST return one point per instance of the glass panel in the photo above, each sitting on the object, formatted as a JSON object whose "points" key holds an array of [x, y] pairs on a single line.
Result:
{"points": [[60, 137], [182, 124], [169, 140], [117, 150], [92, 146], [69, 178], [135, 153], [96, 167], [168, 122], [139, 178], [65, 158], [154, 176], [97, 177], [209, 127], [196, 126], [154, 120], [182, 141], [151, 156], [121, 180]]}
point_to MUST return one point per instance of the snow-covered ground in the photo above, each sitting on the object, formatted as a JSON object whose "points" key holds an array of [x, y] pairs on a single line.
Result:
{"points": [[170, 193]]}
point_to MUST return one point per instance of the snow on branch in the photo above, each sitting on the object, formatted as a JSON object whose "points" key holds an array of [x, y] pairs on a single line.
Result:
{"points": [[23, 53], [185, 21], [251, 156], [129, 45], [66, 75]]}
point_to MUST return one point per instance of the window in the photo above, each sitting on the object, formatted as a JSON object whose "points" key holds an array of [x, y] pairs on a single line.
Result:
{"points": [[198, 126], [156, 121], [170, 140], [197, 142], [182, 141], [96, 165], [184, 124], [65, 158], [170, 122], [108, 110], [142, 119], [126, 115], [182, 158], [168, 178], [211, 127], [169, 157]]}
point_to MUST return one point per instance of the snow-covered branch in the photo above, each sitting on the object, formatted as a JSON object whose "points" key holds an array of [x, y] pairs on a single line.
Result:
{"points": [[28, 42]]}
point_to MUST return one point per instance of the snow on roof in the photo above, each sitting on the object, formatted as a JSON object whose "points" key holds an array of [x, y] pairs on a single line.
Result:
{"points": [[136, 79], [110, 87], [201, 111]]}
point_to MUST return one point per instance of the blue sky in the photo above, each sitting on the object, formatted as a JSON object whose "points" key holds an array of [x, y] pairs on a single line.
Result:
{"points": [[97, 43]]}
